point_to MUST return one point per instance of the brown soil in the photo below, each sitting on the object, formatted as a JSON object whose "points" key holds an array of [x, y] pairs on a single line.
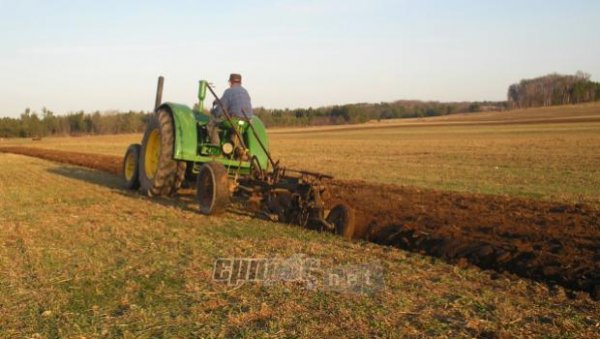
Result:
{"points": [[106, 163], [550, 242]]}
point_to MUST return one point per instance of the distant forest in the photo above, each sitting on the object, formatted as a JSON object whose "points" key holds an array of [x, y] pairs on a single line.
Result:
{"points": [[363, 112], [34, 125], [552, 89]]}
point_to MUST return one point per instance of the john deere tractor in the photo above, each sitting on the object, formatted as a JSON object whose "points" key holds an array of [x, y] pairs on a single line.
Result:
{"points": [[176, 149]]}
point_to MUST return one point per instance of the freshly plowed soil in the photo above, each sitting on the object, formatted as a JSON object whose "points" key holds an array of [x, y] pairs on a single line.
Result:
{"points": [[106, 163], [545, 241]]}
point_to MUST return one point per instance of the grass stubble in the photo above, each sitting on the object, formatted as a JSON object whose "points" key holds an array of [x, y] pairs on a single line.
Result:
{"points": [[82, 257]]}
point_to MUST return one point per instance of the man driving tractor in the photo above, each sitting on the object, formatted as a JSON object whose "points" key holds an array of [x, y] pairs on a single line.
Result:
{"points": [[236, 101]]}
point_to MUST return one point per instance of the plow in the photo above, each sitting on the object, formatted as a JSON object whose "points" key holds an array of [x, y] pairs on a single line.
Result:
{"points": [[176, 151]]}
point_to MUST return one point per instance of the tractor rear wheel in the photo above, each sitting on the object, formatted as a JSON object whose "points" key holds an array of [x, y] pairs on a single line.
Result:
{"points": [[212, 188], [131, 163], [159, 173], [342, 217]]}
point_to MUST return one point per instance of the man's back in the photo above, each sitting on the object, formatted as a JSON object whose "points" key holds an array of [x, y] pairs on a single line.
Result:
{"points": [[235, 99]]}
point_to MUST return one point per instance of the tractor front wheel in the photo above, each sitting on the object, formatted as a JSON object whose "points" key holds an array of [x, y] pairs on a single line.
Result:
{"points": [[131, 163], [212, 188], [342, 217], [159, 173]]}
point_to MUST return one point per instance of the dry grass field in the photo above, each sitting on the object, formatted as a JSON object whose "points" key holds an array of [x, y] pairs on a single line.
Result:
{"points": [[82, 257], [549, 153]]}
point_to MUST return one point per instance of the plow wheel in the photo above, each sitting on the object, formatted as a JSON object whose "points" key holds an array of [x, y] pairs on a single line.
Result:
{"points": [[342, 217], [131, 163], [159, 173], [212, 188]]}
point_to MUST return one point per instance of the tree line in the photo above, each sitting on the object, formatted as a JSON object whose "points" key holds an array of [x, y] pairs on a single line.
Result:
{"points": [[553, 89], [363, 112], [31, 124], [37, 125]]}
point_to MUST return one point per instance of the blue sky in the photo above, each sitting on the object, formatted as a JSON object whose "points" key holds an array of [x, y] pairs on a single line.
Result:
{"points": [[105, 55]]}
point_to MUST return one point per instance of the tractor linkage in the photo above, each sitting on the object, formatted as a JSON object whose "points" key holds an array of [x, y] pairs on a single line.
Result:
{"points": [[282, 194]]}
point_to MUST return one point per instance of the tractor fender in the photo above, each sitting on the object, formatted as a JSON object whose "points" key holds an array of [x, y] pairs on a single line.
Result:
{"points": [[253, 141], [185, 145]]}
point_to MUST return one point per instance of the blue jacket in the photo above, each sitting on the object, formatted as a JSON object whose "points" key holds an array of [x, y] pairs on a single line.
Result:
{"points": [[235, 99]]}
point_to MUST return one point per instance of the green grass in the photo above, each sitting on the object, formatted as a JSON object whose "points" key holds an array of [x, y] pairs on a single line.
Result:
{"points": [[82, 257]]}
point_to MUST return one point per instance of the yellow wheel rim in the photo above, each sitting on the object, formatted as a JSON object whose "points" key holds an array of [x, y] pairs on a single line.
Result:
{"points": [[152, 154], [130, 166]]}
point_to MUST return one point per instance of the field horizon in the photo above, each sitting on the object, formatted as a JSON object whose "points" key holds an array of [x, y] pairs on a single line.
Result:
{"points": [[540, 153]]}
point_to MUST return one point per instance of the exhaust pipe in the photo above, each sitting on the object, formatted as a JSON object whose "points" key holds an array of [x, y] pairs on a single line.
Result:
{"points": [[159, 92]]}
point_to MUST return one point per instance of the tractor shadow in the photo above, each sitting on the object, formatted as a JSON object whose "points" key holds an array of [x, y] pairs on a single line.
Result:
{"points": [[184, 200], [89, 176]]}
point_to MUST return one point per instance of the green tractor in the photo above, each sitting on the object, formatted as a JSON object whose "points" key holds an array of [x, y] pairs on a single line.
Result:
{"points": [[176, 150]]}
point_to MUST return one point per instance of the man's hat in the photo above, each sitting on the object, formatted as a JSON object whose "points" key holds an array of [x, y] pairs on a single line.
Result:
{"points": [[234, 77]]}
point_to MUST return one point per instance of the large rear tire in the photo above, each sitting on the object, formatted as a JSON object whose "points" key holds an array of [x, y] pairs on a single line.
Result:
{"points": [[212, 188], [159, 173], [130, 169], [342, 217]]}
